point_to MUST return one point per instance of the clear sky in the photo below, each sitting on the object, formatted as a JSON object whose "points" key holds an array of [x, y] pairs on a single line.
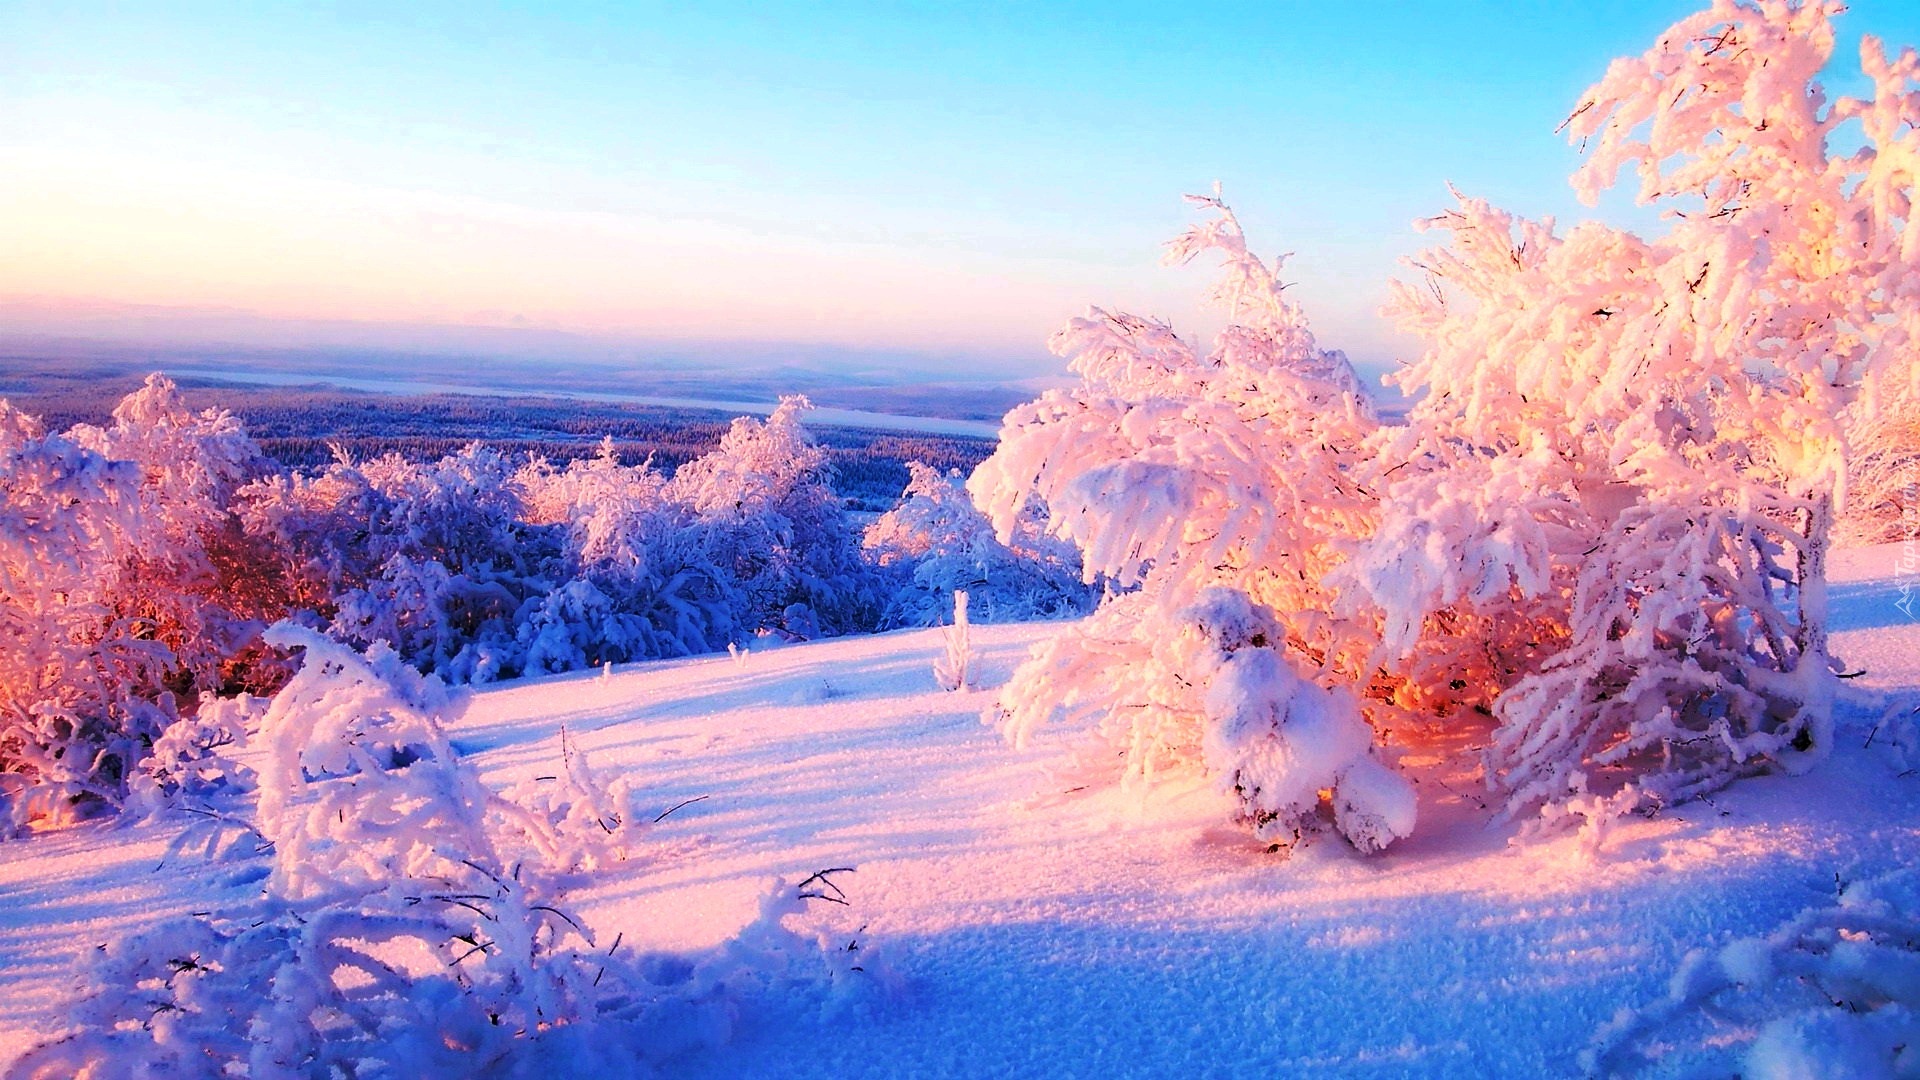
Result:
{"points": [[953, 180]]}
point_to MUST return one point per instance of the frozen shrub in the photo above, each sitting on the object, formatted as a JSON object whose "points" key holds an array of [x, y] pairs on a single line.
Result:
{"points": [[126, 594], [1604, 527], [593, 818], [455, 563], [475, 570], [411, 924], [192, 758], [941, 544], [952, 670], [1624, 467], [81, 687], [438, 559], [641, 579], [776, 527], [1283, 746], [322, 530], [1218, 488]]}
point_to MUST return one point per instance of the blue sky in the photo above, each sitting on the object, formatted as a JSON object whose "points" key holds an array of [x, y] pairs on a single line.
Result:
{"points": [[940, 179]]}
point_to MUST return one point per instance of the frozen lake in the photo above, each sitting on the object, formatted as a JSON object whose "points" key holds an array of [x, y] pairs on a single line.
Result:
{"points": [[825, 417]]}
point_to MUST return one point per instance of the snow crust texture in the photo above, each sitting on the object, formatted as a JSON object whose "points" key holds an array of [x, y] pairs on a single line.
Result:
{"points": [[1034, 923]]}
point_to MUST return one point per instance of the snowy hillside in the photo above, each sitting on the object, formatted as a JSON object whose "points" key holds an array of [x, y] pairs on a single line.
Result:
{"points": [[1016, 915]]}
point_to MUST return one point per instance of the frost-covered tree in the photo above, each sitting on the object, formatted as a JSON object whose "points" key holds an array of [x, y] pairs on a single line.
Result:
{"points": [[1609, 512], [641, 581], [410, 921], [448, 560], [940, 544], [79, 684], [1217, 487], [127, 592], [778, 528], [1606, 521]]}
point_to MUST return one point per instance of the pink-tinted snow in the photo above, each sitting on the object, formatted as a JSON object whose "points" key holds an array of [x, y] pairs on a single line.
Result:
{"points": [[1038, 921]]}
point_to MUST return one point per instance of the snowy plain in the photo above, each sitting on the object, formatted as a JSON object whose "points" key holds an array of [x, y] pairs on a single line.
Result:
{"points": [[1024, 916]]}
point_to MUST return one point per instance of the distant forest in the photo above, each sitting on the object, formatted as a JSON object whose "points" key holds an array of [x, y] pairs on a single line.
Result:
{"points": [[300, 426]]}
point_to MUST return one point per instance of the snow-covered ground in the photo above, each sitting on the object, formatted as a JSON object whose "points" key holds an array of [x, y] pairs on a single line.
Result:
{"points": [[1030, 918]]}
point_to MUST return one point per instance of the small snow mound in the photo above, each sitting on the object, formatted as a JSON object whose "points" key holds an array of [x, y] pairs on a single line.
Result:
{"points": [[1373, 806], [1835, 1045], [1281, 744]]}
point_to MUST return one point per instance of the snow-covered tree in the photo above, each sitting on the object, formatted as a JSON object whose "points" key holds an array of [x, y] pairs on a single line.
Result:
{"points": [[127, 591], [1219, 488], [641, 581], [1606, 521], [940, 543], [1610, 510], [778, 528], [79, 684]]}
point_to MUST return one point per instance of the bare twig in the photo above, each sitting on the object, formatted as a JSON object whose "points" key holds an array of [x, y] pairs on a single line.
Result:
{"points": [[676, 806], [824, 880]]}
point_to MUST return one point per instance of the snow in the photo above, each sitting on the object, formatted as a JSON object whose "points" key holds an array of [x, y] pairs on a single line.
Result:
{"points": [[1026, 917]]}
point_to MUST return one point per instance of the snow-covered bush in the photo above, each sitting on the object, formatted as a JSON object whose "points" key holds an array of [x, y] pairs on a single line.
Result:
{"points": [[1626, 459], [593, 818], [476, 570], [1283, 745], [778, 529], [193, 759], [81, 687], [1834, 992], [455, 564], [641, 581], [431, 558], [941, 544], [953, 669], [142, 559], [193, 576], [1606, 520], [128, 593], [411, 924], [1220, 488], [317, 529], [1212, 689]]}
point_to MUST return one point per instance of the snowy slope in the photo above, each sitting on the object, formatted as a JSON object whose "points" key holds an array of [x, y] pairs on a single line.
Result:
{"points": [[1031, 919]]}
